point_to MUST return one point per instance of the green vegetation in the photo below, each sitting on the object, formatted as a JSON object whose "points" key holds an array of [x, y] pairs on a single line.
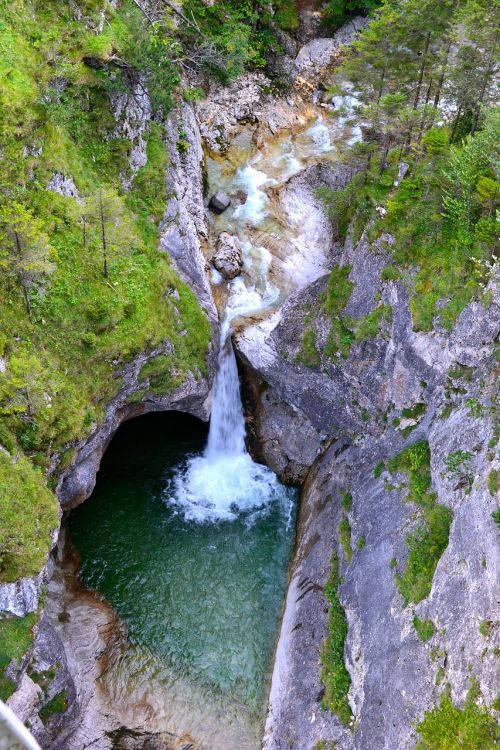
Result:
{"points": [[427, 542], [338, 12], [334, 675], [344, 330], [485, 628], [16, 635], [308, 354], [345, 537], [425, 628], [346, 501], [56, 705], [494, 482], [449, 728], [379, 468], [442, 214], [457, 460], [83, 288], [28, 516], [415, 412], [361, 543]]}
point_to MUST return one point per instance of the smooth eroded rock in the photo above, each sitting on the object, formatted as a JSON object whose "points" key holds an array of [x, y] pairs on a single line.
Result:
{"points": [[219, 202], [228, 258]]}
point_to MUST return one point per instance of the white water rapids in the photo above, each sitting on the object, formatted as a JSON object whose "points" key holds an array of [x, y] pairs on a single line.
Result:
{"points": [[281, 253]]}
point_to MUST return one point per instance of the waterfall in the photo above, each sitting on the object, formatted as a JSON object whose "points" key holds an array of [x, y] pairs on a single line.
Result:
{"points": [[227, 424], [224, 482]]}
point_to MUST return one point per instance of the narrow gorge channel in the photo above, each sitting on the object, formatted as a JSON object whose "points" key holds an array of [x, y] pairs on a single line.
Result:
{"points": [[185, 536]]}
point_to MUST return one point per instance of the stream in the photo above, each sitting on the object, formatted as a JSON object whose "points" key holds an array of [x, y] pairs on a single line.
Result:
{"points": [[186, 537]]}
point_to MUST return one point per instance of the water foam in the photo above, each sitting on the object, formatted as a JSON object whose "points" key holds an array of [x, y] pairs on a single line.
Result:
{"points": [[224, 482]]}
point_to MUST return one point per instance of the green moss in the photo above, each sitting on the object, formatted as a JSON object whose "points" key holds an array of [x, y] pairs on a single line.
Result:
{"points": [[379, 468], [425, 628], [457, 460], [16, 636], [369, 326], [440, 674], [415, 412], [345, 537], [390, 273], [494, 482], [449, 728], [334, 674], [427, 542], [161, 374], [485, 628], [346, 501], [361, 543], [308, 354], [56, 705]]}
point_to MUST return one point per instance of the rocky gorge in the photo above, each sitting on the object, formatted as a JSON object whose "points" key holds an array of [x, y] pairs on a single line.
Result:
{"points": [[393, 433]]}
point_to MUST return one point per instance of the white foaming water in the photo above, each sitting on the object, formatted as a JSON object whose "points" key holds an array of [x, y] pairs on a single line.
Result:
{"points": [[252, 180], [320, 136], [225, 482]]}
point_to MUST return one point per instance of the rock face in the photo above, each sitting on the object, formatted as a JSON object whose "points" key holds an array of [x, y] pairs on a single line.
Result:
{"points": [[319, 53], [228, 258], [353, 408], [184, 225]]}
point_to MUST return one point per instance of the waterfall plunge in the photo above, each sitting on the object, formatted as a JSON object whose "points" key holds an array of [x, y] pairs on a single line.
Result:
{"points": [[227, 425], [224, 481]]}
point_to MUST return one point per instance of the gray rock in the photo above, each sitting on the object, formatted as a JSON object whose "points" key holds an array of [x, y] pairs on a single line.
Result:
{"points": [[219, 202], [351, 404], [21, 597], [60, 183], [228, 258]]}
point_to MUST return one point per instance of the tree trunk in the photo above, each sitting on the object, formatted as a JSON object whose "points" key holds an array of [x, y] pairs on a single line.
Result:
{"points": [[381, 87], [455, 124], [484, 86], [103, 238], [383, 161], [437, 95], [422, 70]]}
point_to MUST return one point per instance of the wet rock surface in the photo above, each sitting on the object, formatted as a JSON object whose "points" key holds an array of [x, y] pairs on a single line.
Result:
{"points": [[228, 258], [219, 202]]}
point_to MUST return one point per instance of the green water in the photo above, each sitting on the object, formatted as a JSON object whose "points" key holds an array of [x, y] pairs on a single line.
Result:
{"points": [[199, 600]]}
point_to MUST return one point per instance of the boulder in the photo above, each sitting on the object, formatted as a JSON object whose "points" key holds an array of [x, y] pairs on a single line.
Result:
{"points": [[219, 202], [228, 258]]}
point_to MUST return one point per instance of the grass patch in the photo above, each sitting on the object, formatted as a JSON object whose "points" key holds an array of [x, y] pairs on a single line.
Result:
{"points": [[427, 542], [16, 636], [379, 468], [56, 705], [425, 628], [345, 537], [28, 516], [449, 728], [308, 354], [494, 482], [334, 674], [346, 501]]}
